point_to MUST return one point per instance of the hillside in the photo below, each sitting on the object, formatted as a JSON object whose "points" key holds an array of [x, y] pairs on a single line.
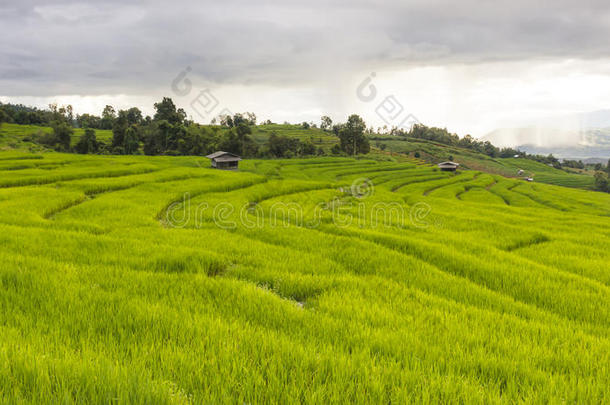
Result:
{"points": [[325, 139], [17, 137], [159, 280], [508, 167]]}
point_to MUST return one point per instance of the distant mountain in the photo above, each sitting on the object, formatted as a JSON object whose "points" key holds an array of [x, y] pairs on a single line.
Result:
{"points": [[578, 136], [535, 136], [592, 161], [587, 154]]}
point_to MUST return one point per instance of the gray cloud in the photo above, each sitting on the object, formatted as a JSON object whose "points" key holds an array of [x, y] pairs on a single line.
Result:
{"points": [[75, 47]]}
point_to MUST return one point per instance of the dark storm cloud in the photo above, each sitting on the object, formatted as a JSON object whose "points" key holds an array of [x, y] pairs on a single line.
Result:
{"points": [[119, 47]]}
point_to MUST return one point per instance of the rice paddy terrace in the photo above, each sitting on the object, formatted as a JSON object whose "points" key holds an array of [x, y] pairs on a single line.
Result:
{"points": [[160, 280]]}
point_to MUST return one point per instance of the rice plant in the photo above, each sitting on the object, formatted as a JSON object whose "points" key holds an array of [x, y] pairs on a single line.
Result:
{"points": [[328, 280]]}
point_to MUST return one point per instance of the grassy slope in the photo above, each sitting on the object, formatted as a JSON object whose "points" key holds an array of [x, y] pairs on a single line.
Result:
{"points": [[11, 136], [317, 136], [506, 167], [470, 288]]}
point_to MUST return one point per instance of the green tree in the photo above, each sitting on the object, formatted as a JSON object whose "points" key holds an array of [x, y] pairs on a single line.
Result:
{"points": [[119, 128], [601, 182], [308, 148], [326, 123], [3, 117], [251, 118], [88, 121], [134, 116], [87, 143], [63, 134], [247, 146], [284, 146], [166, 110], [337, 128], [226, 120], [352, 138], [490, 150], [108, 117], [230, 142], [68, 113], [131, 141], [276, 144], [198, 141]]}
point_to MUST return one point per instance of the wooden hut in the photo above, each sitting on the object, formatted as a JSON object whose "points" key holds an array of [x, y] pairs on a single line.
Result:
{"points": [[224, 160], [448, 166]]}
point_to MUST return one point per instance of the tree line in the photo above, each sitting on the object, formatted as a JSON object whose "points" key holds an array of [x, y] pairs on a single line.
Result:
{"points": [[442, 135], [169, 132], [602, 177]]}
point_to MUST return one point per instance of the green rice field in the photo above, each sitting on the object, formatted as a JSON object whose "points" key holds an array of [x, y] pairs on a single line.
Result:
{"points": [[508, 167], [19, 137], [133, 279]]}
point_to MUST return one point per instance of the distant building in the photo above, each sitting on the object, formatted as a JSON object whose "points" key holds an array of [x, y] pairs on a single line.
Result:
{"points": [[224, 160], [520, 172], [529, 178], [448, 166]]}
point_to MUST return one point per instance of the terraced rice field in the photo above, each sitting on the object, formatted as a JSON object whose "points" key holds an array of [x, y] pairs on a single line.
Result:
{"points": [[508, 167], [159, 280], [13, 136]]}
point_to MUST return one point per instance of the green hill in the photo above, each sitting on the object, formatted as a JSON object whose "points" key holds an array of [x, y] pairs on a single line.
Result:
{"points": [[138, 279], [325, 139], [19, 137], [509, 167]]}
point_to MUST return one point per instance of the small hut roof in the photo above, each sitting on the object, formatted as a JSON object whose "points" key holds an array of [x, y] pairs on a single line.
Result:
{"points": [[221, 156], [227, 159], [448, 164]]}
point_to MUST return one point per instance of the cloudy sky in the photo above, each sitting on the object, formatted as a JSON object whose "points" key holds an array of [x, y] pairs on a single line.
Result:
{"points": [[470, 66]]}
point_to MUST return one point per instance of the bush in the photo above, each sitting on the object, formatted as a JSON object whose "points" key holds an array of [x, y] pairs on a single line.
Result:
{"points": [[46, 139], [308, 148], [87, 143], [63, 135], [601, 182]]}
